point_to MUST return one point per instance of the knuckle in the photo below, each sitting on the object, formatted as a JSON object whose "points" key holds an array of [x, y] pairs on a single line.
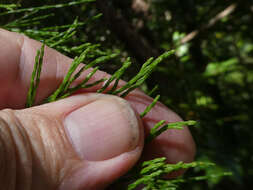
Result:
{"points": [[51, 150], [16, 152], [35, 148]]}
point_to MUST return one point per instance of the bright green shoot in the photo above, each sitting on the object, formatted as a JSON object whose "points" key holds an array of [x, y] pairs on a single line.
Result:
{"points": [[35, 78]]}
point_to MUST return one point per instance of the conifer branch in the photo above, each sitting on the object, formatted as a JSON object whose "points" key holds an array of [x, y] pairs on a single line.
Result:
{"points": [[35, 78], [46, 7], [159, 129], [150, 106]]}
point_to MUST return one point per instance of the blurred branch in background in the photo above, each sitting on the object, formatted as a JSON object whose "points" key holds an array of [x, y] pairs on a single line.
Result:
{"points": [[229, 10]]}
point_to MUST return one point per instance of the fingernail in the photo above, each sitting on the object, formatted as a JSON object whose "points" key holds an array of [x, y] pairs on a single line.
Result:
{"points": [[103, 129]]}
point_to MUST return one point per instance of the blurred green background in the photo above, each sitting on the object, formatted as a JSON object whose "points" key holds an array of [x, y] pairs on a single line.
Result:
{"points": [[209, 79]]}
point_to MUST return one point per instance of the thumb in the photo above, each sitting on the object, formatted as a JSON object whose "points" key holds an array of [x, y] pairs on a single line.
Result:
{"points": [[81, 142]]}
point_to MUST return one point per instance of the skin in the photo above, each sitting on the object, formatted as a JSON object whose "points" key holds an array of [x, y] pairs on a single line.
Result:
{"points": [[35, 149]]}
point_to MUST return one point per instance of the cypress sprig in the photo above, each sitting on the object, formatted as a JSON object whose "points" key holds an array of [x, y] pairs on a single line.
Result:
{"points": [[150, 174], [67, 79], [12, 9], [148, 108], [29, 24], [115, 77], [151, 92], [159, 128], [9, 7], [26, 21], [35, 78], [145, 71], [132, 82], [64, 36], [83, 84]]}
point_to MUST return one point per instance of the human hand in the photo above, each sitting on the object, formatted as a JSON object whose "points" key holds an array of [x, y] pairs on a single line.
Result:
{"points": [[85, 141]]}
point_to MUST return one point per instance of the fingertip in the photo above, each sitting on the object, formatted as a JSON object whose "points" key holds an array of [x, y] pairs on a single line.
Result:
{"points": [[100, 174]]}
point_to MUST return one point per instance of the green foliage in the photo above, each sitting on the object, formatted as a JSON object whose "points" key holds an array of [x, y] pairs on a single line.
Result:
{"points": [[9, 7], [56, 37], [159, 128], [35, 78], [150, 106], [145, 71], [151, 174], [64, 89], [46, 7]]}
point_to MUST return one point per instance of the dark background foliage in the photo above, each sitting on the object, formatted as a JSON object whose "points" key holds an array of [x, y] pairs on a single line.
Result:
{"points": [[209, 79]]}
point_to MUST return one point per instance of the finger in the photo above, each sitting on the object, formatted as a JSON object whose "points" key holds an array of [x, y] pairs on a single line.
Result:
{"points": [[17, 59], [19, 53], [69, 144]]}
